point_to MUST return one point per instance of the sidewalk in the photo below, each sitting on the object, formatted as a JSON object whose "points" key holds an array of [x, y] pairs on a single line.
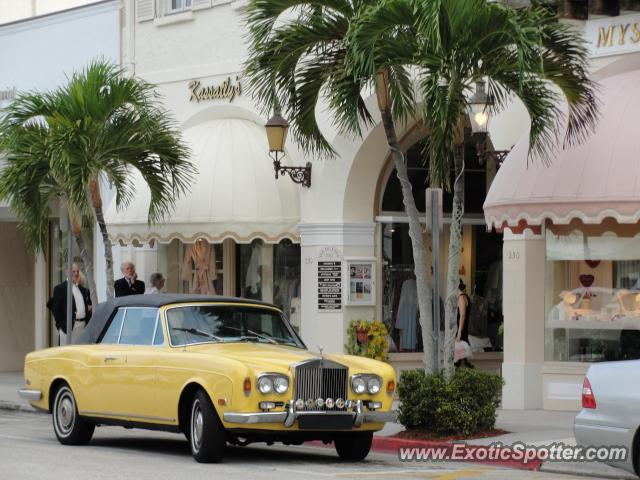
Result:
{"points": [[532, 427]]}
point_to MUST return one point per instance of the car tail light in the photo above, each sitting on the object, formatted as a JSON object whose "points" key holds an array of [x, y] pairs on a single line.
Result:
{"points": [[588, 399]]}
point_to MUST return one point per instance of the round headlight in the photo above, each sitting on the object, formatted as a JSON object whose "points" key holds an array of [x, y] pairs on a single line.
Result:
{"points": [[359, 385], [374, 385], [265, 385], [281, 384]]}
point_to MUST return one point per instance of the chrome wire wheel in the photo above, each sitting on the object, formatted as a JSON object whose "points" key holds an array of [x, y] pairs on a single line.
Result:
{"points": [[197, 424], [64, 412]]}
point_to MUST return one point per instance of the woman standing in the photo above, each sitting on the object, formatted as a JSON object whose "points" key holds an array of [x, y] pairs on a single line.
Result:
{"points": [[464, 307]]}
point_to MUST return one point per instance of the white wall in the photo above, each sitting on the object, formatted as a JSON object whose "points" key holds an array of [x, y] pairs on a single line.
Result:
{"points": [[40, 52]]}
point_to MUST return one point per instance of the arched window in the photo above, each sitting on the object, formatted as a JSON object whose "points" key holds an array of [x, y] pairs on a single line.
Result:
{"points": [[475, 176]]}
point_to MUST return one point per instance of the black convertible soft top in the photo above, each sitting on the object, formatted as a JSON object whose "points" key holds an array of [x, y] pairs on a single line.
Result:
{"points": [[103, 311]]}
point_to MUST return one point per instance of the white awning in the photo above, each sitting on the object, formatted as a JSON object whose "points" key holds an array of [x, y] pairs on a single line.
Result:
{"points": [[234, 196]]}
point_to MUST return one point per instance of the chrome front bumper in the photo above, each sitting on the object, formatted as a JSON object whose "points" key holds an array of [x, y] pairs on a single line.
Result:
{"points": [[289, 417], [30, 394]]}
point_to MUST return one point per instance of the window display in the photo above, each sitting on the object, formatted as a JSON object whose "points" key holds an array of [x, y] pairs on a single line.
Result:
{"points": [[592, 297]]}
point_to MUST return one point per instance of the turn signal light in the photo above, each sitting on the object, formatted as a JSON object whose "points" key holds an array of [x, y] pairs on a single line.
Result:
{"points": [[246, 386], [391, 386], [588, 399]]}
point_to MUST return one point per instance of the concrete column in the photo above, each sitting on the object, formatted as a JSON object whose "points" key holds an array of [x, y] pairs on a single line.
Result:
{"points": [[41, 316], [524, 314], [331, 242]]}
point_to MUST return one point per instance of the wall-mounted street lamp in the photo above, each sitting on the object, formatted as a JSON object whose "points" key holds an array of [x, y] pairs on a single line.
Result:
{"points": [[479, 105], [277, 129]]}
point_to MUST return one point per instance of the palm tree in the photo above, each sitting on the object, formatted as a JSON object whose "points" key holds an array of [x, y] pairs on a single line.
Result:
{"points": [[100, 127], [452, 44], [27, 183], [298, 57], [421, 57]]}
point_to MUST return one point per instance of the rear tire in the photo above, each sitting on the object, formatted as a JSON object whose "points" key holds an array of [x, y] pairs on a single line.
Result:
{"points": [[70, 428], [207, 436], [353, 447]]}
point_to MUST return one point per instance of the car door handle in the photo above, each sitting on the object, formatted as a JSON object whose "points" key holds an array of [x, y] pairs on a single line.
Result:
{"points": [[110, 359]]}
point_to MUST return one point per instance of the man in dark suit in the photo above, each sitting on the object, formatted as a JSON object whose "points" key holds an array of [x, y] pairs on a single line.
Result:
{"points": [[80, 309], [129, 284]]}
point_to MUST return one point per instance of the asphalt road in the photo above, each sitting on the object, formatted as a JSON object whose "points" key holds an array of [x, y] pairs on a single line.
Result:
{"points": [[29, 450]]}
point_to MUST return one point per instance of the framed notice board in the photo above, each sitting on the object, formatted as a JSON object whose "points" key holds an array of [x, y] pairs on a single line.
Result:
{"points": [[360, 279]]}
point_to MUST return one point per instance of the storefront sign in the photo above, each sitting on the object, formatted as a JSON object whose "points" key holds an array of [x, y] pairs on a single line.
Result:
{"points": [[329, 285], [613, 35], [8, 94], [226, 89]]}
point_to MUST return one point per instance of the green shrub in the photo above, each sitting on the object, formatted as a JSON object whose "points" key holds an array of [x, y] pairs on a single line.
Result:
{"points": [[463, 405]]}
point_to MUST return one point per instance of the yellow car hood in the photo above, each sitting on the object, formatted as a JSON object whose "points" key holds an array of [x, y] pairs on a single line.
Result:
{"points": [[268, 357]]}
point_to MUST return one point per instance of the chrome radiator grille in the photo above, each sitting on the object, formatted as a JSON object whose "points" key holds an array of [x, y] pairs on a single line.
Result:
{"points": [[320, 379]]}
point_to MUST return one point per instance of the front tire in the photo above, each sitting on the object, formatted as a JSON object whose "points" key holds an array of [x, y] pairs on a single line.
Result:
{"points": [[70, 428], [353, 447], [207, 436]]}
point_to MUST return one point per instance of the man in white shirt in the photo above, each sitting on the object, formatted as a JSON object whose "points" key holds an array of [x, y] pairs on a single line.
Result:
{"points": [[157, 284], [81, 308]]}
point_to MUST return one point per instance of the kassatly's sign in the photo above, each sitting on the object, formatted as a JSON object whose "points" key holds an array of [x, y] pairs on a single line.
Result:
{"points": [[226, 89], [613, 35]]}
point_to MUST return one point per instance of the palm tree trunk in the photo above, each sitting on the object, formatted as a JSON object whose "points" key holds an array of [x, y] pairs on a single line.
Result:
{"points": [[96, 203], [87, 260], [415, 233], [453, 263]]}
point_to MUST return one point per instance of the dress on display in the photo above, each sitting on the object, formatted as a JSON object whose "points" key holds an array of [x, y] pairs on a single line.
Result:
{"points": [[407, 314], [199, 268], [252, 279]]}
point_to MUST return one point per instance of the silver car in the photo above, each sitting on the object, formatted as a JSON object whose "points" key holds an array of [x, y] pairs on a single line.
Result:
{"points": [[610, 414]]}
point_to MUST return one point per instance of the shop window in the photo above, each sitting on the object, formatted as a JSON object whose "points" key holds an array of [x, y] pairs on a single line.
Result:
{"points": [[187, 267], [286, 280], [271, 273], [480, 268], [253, 262], [592, 297]]}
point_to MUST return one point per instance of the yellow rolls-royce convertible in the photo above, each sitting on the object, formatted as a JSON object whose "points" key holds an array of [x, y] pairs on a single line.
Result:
{"points": [[219, 370]]}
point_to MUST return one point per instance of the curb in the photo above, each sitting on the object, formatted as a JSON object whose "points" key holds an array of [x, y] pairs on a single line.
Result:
{"points": [[17, 407]]}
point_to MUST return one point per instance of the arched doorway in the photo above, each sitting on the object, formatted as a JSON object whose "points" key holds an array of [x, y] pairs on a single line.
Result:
{"points": [[481, 253]]}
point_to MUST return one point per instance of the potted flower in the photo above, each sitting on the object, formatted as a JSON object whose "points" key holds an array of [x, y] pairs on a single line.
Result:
{"points": [[368, 339]]}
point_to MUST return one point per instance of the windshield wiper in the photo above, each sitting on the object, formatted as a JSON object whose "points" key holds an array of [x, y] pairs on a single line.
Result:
{"points": [[196, 331], [255, 335]]}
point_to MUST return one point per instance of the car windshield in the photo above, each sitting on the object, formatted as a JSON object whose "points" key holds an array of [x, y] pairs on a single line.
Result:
{"points": [[224, 323]]}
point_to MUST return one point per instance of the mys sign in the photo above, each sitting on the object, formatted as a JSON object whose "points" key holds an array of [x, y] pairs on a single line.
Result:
{"points": [[613, 35]]}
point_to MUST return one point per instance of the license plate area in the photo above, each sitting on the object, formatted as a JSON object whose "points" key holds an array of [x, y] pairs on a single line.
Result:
{"points": [[325, 422]]}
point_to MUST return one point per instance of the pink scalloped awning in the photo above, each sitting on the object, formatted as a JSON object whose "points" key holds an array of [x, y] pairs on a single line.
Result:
{"points": [[596, 180]]}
